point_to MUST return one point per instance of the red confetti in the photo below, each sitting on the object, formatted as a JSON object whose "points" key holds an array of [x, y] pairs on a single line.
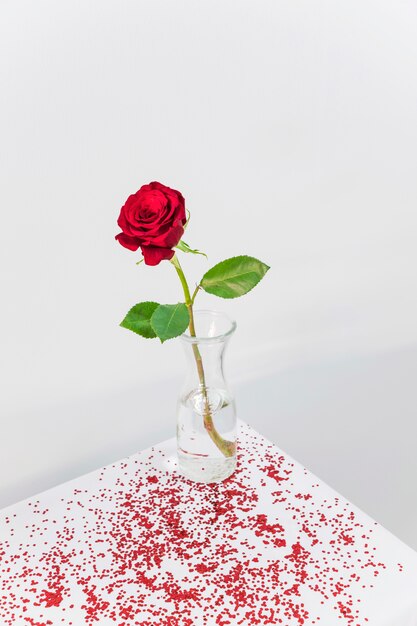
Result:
{"points": [[146, 547]]}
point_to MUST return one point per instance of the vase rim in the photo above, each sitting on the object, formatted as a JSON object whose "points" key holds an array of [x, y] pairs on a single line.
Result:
{"points": [[214, 338]]}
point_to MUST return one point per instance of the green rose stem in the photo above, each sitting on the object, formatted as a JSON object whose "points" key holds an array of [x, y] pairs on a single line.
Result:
{"points": [[226, 447]]}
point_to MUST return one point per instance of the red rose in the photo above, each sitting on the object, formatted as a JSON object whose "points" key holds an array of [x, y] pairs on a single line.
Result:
{"points": [[152, 218]]}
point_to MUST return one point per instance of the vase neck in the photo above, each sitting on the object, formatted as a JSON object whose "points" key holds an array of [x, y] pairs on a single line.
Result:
{"points": [[205, 352], [211, 357]]}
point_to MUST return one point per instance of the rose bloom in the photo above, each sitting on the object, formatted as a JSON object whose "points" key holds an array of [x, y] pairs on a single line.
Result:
{"points": [[153, 219]]}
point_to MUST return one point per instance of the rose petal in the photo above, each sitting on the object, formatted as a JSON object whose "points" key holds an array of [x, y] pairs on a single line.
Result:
{"points": [[131, 243], [153, 255], [122, 222], [170, 238]]}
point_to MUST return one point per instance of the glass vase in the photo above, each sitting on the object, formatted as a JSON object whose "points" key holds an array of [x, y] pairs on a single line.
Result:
{"points": [[206, 414]]}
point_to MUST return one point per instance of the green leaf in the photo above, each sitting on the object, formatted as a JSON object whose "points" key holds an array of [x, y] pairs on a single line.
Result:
{"points": [[138, 319], [184, 247], [234, 277], [170, 320]]}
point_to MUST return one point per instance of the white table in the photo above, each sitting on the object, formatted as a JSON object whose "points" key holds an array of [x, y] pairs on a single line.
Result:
{"points": [[136, 544]]}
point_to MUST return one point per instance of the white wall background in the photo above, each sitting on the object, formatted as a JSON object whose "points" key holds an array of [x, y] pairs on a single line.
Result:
{"points": [[290, 127]]}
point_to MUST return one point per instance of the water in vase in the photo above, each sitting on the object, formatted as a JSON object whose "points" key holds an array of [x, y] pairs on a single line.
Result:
{"points": [[199, 458]]}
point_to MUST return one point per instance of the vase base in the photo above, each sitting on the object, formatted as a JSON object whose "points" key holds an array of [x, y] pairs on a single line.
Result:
{"points": [[206, 470]]}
